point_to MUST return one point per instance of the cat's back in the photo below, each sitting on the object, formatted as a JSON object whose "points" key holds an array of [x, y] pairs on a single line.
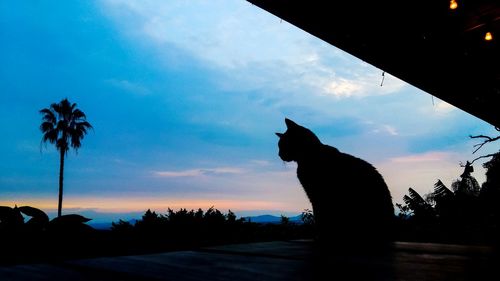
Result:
{"points": [[332, 172], [329, 160]]}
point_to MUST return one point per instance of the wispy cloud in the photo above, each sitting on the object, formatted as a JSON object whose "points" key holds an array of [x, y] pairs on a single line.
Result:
{"points": [[368, 82], [260, 163], [385, 129], [391, 130], [198, 172], [342, 88], [228, 36]]}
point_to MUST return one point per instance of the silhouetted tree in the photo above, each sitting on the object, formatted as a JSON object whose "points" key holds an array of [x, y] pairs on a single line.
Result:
{"points": [[65, 126], [422, 210], [444, 201], [491, 187], [284, 220], [492, 184], [307, 217], [151, 221], [467, 186], [466, 208], [122, 226], [490, 196], [214, 217], [231, 217]]}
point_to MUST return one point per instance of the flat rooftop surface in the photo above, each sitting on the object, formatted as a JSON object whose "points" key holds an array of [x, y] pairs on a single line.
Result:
{"points": [[280, 260]]}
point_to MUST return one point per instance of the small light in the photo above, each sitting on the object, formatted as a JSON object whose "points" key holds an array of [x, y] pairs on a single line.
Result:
{"points": [[488, 36], [453, 5]]}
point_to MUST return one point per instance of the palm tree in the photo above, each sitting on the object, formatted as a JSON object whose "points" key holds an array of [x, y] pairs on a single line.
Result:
{"points": [[65, 126]]}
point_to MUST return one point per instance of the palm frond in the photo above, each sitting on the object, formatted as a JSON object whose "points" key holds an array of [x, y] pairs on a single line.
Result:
{"points": [[46, 126], [84, 124], [76, 141], [48, 115], [46, 111], [417, 204], [407, 200], [78, 114], [56, 107], [416, 197], [50, 136], [441, 191]]}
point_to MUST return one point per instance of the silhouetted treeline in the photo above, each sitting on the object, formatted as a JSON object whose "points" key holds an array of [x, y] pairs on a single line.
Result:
{"points": [[40, 239], [196, 228], [464, 213]]}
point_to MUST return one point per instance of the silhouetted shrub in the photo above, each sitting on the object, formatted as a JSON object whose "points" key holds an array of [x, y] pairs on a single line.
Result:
{"points": [[40, 239]]}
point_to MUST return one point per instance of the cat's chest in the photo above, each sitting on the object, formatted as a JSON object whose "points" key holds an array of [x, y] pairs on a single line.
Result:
{"points": [[312, 172]]}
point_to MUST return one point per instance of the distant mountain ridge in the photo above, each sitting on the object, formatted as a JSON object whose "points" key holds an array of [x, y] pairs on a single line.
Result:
{"points": [[256, 219], [272, 219]]}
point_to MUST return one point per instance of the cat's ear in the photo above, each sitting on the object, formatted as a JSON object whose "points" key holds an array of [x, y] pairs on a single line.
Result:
{"points": [[290, 124], [279, 135]]}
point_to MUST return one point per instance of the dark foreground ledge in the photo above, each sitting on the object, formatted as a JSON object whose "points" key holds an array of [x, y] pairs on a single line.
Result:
{"points": [[294, 260]]}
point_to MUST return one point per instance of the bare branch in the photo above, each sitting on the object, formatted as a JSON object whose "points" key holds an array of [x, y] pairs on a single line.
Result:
{"points": [[486, 139], [484, 156]]}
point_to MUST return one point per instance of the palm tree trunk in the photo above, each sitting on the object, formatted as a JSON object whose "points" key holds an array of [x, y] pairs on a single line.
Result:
{"points": [[61, 172]]}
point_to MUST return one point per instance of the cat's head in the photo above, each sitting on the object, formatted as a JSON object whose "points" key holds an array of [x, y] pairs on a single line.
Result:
{"points": [[296, 142]]}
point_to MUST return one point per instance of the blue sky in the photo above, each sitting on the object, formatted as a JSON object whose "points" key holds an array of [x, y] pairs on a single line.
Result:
{"points": [[185, 98]]}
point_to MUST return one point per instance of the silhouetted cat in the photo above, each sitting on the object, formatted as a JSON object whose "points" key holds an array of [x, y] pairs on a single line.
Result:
{"points": [[349, 197]]}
